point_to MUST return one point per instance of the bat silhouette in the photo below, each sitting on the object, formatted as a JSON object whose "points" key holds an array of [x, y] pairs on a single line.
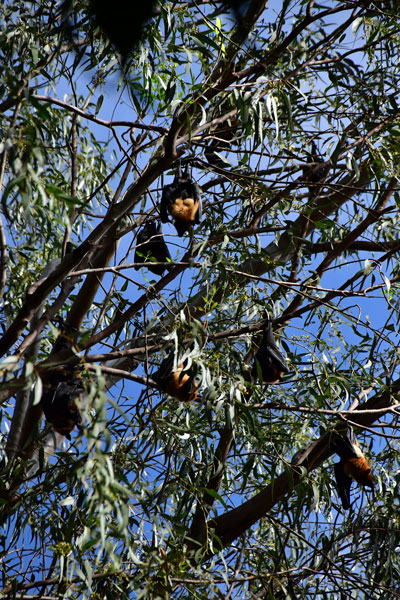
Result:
{"points": [[150, 246], [58, 402], [269, 359]]}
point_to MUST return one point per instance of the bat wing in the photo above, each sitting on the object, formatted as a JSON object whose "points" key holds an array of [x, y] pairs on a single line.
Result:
{"points": [[346, 446], [277, 358], [47, 400], [160, 251], [164, 370], [165, 201], [268, 337], [268, 352], [269, 358], [269, 347], [142, 244], [343, 482], [151, 246]]}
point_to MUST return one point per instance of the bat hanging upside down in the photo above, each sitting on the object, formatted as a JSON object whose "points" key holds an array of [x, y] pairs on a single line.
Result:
{"points": [[269, 359], [150, 246], [58, 403], [179, 384], [352, 465], [181, 199]]}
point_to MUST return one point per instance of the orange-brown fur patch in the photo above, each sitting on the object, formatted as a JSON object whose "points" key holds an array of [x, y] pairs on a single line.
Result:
{"points": [[359, 469], [184, 210], [175, 386]]}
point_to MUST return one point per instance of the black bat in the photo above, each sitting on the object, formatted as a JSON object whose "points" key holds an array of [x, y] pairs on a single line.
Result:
{"points": [[224, 138], [67, 337], [315, 171], [58, 402], [269, 359], [352, 465], [179, 384], [150, 246], [181, 199], [123, 22]]}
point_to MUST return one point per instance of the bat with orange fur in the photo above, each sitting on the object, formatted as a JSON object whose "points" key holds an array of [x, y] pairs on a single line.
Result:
{"points": [[352, 465], [181, 199], [178, 383]]}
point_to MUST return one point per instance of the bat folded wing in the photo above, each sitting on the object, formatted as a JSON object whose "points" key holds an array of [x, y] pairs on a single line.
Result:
{"points": [[343, 482]]}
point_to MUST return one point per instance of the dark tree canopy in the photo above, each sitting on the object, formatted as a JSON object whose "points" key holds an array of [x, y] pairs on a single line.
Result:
{"points": [[186, 476]]}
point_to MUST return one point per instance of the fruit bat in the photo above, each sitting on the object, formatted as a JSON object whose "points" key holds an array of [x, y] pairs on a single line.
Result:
{"points": [[269, 359], [224, 139], [181, 199], [179, 384], [66, 338], [58, 402], [352, 465], [150, 246], [315, 171], [122, 22]]}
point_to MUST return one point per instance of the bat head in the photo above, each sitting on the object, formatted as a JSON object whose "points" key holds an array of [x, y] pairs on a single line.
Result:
{"points": [[365, 478], [66, 426]]}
